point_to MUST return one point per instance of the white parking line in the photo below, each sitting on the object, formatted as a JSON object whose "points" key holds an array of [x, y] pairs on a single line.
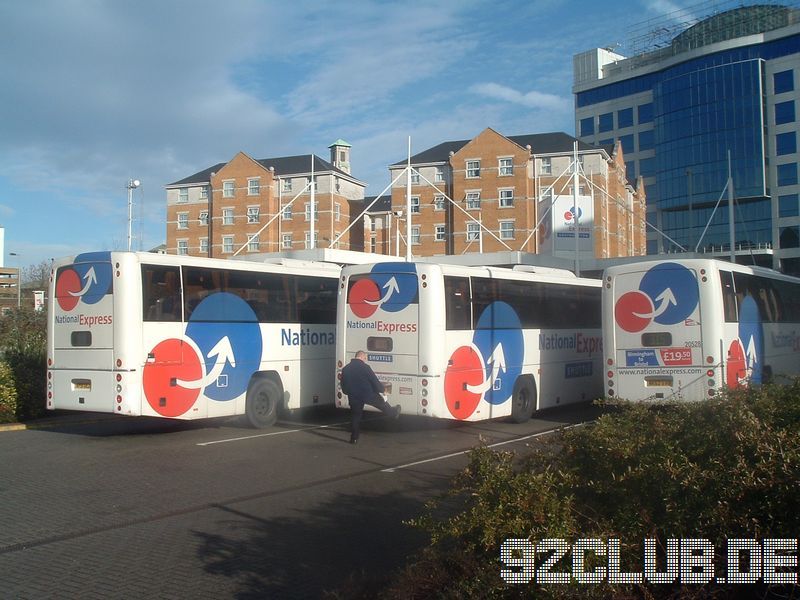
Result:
{"points": [[511, 441], [261, 435]]}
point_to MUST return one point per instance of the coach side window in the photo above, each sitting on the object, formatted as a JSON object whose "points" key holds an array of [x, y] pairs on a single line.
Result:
{"points": [[457, 303], [728, 296], [161, 293]]}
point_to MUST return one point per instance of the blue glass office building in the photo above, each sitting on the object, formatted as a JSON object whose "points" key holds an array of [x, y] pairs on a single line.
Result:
{"points": [[721, 92]]}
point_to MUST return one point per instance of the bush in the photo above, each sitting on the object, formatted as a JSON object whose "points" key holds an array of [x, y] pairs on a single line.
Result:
{"points": [[718, 469], [8, 395], [24, 337]]}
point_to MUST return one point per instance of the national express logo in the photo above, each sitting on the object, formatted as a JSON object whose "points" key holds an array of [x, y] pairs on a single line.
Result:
{"points": [[218, 352], [488, 367], [88, 280], [668, 294], [390, 287]]}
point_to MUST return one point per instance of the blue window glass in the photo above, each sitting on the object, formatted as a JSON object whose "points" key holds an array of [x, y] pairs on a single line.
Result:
{"points": [[788, 205], [647, 167], [646, 140], [605, 122], [785, 143], [784, 112], [646, 113], [630, 170], [606, 142], [787, 174], [790, 237], [784, 81], [652, 246], [587, 126], [625, 117], [627, 143]]}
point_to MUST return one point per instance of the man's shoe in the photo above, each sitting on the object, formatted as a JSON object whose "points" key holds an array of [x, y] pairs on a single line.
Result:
{"points": [[397, 410], [353, 440]]}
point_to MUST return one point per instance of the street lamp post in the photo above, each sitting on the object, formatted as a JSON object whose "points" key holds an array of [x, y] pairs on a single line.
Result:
{"points": [[132, 185], [19, 280]]}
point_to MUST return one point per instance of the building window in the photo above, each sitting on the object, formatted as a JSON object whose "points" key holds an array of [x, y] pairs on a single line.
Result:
{"points": [[473, 231], [253, 187], [183, 195], [439, 202], [440, 233], [645, 113], [783, 81], [203, 245], [790, 237], [784, 112], [506, 230], [625, 118], [308, 210], [313, 185], [506, 198], [252, 243], [203, 218], [646, 140], [308, 239], [506, 166], [204, 193], [630, 170], [439, 177], [227, 216], [286, 242], [414, 177], [787, 174], [337, 211], [605, 122], [373, 224], [227, 244], [785, 143], [788, 205], [473, 200], [286, 213], [183, 220], [183, 247], [647, 167], [414, 204], [587, 126], [547, 165], [415, 235], [228, 189], [286, 185], [253, 214], [627, 143], [473, 169]]}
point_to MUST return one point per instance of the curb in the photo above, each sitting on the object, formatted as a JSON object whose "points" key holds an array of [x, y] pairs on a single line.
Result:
{"points": [[53, 422]]}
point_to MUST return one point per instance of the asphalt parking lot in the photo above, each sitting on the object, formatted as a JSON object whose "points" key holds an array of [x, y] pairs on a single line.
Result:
{"points": [[113, 507]]}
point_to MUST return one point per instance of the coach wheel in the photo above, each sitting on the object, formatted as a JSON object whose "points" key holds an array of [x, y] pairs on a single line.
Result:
{"points": [[263, 397], [523, 400]]}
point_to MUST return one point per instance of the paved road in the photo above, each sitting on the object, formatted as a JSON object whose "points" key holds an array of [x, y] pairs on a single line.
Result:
{"points": [[127, 508]]}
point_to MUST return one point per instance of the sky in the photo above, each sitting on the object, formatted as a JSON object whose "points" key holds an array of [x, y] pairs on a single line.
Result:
{"points": [[96, 93]]}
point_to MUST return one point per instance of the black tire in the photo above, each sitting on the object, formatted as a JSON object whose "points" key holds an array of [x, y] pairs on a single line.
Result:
{"points": [[523, 399], [263, 400]]}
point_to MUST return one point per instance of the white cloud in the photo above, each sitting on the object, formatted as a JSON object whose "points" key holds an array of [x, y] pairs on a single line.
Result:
{"points": [[532, 99]]}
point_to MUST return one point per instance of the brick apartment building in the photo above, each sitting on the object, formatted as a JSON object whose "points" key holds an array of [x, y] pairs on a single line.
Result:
{"points": [[249, 206], [489, 193]]}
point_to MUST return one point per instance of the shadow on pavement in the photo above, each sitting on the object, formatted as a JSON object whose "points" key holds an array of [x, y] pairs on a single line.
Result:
{"points": [[353, 538]]}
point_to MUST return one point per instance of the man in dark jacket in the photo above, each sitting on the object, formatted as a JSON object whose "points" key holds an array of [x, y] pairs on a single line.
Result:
{"points": [[362, 387]]}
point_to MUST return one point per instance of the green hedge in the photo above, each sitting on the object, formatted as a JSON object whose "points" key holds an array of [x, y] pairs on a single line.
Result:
{"points": [[24, 337], [717, 469], [8, 395]]}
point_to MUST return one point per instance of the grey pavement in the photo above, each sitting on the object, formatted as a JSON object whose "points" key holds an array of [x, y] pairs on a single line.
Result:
{"points": [[126, 508]]}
